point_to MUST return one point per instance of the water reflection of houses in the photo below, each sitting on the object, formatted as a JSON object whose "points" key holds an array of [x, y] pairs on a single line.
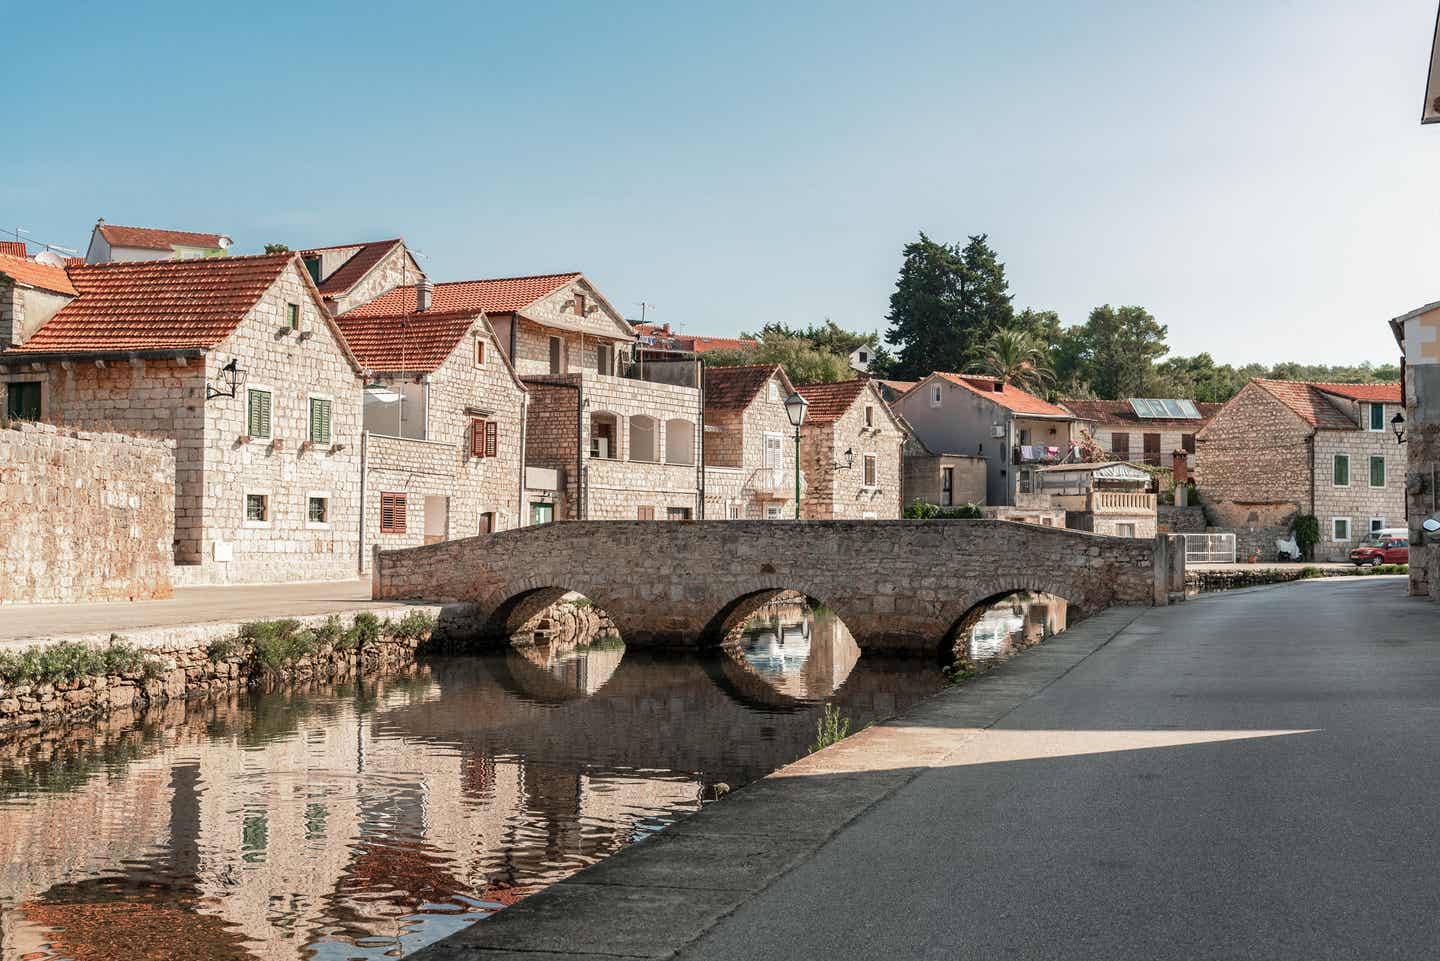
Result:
{"points": [[803, 653], [1015, 623]]}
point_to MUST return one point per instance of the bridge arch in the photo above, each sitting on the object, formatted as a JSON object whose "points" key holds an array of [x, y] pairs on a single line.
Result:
{"points": [[750, 596], [981, 596], [512, 606]]}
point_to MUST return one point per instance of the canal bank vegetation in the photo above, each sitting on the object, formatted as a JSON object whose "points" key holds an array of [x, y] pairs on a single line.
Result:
{"points": [[832, 728], [70, 661]]}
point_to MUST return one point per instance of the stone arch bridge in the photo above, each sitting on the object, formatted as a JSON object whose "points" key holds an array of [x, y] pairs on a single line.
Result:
{"points": [[902, 585]]}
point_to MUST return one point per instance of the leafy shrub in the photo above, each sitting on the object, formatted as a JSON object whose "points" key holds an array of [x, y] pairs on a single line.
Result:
{"points": [[222, 648], [1311, 571], [329, 632], [832, 728], [414, 626], [1306, 528], [278, 644], [70, 661], [921, 510], [363, 632]]}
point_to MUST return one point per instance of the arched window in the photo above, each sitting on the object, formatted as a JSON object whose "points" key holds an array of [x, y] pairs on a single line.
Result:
{"points": [[604, 436], [642, 439], [679, 442]]}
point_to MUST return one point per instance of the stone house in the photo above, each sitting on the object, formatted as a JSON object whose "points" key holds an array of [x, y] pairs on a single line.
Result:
{"points": [[349, 275], [1015, 431], [1138, 431], [749, 444], [111, 242], [942, 479], [850, 452], [442, 448], [606, 438], [30, 294], [1282, 448], [238, 362], [1418, 334], [1104, 498]]}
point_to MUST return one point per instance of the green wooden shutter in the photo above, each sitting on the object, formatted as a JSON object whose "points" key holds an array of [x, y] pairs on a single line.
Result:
{"points": [[258, 414], [319, 421], [1342, 470], [1377, 472]]}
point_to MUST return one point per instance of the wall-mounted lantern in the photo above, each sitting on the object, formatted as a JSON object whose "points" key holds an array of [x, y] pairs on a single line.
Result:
{"points": [[231, 379], [849, 460], [1397, 424]]}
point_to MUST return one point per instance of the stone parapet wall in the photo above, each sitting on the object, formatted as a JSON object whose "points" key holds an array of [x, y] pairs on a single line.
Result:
{"points": [[87, 516], [1180, 520]]}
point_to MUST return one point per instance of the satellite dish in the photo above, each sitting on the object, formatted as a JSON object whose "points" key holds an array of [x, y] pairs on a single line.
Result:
{"points": [[1431, 525], [50, 259], [224, 242]]}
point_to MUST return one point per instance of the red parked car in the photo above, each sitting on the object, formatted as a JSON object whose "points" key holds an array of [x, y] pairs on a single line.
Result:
{"points": [[1385, 549]]}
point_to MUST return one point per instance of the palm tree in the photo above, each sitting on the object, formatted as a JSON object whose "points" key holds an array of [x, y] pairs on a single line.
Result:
{"points": [[1016, 357]]}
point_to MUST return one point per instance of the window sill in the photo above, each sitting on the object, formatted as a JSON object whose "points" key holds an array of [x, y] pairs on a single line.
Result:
{"points": [[256, 525]]}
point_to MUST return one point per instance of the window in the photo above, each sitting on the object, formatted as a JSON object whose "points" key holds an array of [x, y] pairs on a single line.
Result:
{"points": [[1339, 528], [257, 415], [317, 510], [732, 512], [935, 395], [292, 316], [312, 267], [604, 436], [679, 442], [947, 486], [644, 513], [774, 390], [1120, 445], [542, 513], [392, 513], [1152, 449], [484, 437], [479, 351], [579, 305], [605, 359], [869, 415], [320, 420], [1377, 470], [677, 513], [257, 508], [1377, 524], [871, 471], [1341, 470], [1124, 530], [772, 513], [22, 400], [1187, 443], [1377, 417], [557, 355], [487, 522], [642, 438]]}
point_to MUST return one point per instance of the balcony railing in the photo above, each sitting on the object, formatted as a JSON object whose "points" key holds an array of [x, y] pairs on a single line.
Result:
{"points": [[677, 373], [1121, 502]]}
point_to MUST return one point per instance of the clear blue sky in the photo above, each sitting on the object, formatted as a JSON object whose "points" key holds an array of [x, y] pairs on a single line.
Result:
{"points": [[1254, 173]]}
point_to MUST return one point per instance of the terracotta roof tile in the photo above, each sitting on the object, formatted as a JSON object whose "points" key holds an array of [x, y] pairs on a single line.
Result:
{"points": [[350, 273], [150, 238], [701, 344], [1120, 412], [33, 274], [157, 304], [733, 388], [1011, 398], [13, 248], [829, 402], [499, 296], [418, 343], [1308, 402], [1377, 393]]}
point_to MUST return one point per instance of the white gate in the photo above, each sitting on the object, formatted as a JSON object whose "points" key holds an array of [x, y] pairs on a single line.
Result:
{"points": [[1209, 548]]}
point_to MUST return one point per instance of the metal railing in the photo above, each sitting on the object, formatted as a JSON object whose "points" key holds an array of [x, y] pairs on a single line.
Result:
{"points": [[1209, 548]]}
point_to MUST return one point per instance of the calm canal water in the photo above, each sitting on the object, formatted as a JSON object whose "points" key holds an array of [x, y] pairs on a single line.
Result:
{"points": [[365, 821]]}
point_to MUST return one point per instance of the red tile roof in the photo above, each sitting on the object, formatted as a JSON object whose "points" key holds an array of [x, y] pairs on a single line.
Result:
{"points": [[733, 388], [701, 344], [150, 238], [417, 343], [352, 271], [13, 248], [33, 274], [1374, 393], [1011, 397], [1120, 412], [500, 296], [830, 402], [1308, 402], [157, 304]]}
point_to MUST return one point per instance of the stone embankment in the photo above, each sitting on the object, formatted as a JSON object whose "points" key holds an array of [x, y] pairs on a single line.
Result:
{"points": [[1229, 579], [54, 681]]}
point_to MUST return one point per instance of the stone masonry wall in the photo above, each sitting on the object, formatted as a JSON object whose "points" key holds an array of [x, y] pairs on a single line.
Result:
{"points": [[740, 443], [838, 493], [442, 466], [897, 585], [23, 310], [285, 468], [1359, 501], [1255, 453], [87, 516], [1423, 447], [395, 269], [550, 434]]}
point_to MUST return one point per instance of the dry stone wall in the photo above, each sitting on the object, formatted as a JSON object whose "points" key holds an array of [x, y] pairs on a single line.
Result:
{"points": [[87, 516]]}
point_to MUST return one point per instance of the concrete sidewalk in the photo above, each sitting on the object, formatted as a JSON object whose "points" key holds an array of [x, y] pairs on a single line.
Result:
{"points": [[190, 605], [1246, 775]]}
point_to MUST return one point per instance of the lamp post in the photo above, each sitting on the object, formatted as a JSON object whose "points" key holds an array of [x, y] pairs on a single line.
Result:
{"points": [[1397, 424], [795, 407]]}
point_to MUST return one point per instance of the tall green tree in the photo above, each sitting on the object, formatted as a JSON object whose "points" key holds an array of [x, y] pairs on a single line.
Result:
{"points": [[804, 363], [948, 300], [1118, 350]]}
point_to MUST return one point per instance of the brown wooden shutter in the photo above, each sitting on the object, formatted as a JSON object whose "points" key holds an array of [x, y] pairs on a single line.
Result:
{"points": [[477, 437], [492, 437], [1187, 443], [645, 513], [1120, 445], [1152, 449], [392, 513]]}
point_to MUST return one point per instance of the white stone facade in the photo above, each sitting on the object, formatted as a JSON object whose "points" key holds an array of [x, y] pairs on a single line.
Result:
{"points": [[1360, 504], [750, 459], [856, 492]]}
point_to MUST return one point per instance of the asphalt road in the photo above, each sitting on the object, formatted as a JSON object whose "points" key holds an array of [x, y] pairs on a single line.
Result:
{"points": [[1244, 776]]}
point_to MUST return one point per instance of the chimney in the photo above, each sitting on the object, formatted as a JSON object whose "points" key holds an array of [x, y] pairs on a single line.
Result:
{"points": [[1180, 467], [423, 290]]}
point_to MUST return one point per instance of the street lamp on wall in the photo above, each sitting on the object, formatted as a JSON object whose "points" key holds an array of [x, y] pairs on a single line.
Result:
{"points": [[231, 378], [795, 408], [849, 460], [1397, 424]]}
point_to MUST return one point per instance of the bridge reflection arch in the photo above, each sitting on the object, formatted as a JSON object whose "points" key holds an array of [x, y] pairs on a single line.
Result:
{"points": [[964, 614]]}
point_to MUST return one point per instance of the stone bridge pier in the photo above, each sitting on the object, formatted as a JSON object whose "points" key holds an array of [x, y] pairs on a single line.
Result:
{"points": [[902, 585]]}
